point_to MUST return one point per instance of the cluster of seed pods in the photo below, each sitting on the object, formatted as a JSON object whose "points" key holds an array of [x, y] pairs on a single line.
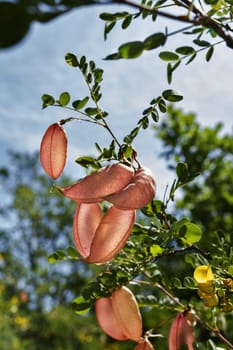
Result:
{"points": [[99, 237]]}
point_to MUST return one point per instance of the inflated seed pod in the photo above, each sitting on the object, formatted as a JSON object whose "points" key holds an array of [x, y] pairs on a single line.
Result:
{"points": [[108, 320], [53, 150], [137, 194], [95, 187], [97, 237], [181, 332], [119, 315]]}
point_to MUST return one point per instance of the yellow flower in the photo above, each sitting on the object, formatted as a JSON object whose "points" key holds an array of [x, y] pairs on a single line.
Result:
{"points": [[203, 275]]}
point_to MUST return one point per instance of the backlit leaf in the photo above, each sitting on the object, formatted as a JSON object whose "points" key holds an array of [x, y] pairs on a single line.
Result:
{"points": [[79, 104], [209, 53], [71, 59], [191, 233], [155, 40], [156, 250], [64, 98], [131, 49], [185, 50], [172, 95], [47, 100], [169, 56]]}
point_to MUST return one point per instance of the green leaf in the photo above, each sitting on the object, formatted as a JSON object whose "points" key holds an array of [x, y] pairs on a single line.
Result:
{"points": [[189, 283], [156, 250], [191, 233], [56, 256], [81, 305], [209, 53], [105, 16], [191, 58], [98, 75], [126, 151], [126, 22], [162, 106], [147, 300], [144, 122], [64, 98], [182, 172], [169, 56], [169, 73], [69, 254], [176, 283], [113, 56], [153, 208], [129, 138], [79, 104], [155, 40], [202, 43], [71, 59], [107, 29], [85, 161], [131, 49], [72, 252], [155, 115], [172, 95], [47, 100], [185, 50], [170, 70], [91, 111]]}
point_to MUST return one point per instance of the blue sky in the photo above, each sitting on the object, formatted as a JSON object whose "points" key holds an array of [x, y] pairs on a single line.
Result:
{"points": [[37, 66]]}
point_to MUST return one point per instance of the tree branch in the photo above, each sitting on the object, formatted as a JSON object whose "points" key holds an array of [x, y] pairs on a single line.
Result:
{"points": [[198, 19]]}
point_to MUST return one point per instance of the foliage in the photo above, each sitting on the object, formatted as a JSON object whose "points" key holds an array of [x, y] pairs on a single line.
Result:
{"points": [[206, 151], [208, 21], [164, 249]]}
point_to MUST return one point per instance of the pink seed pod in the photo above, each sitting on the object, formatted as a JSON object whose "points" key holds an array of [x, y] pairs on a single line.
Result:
{"points": [[119, 315], [137, 194], [107, 319], [181, 332], [99, 238], [144, 344], [95, 187], [53, 150]]}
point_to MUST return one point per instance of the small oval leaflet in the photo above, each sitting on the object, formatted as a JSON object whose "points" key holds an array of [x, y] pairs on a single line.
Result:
{"points": [[182, 172], [47, 100], [132, 49], [191, 233], [155, 40], [71, 59], [64, 98], [172, 95], [168, 56], [185, 50]]}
